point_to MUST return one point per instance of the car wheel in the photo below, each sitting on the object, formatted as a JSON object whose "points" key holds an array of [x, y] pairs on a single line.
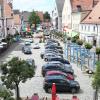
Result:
{"points": [[46, 59], [73, 90], [49, 90]]}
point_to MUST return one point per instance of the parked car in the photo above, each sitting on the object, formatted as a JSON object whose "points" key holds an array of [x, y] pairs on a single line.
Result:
{"points": [[53, 72], [62, 60], [50, 67], [61, 64], [62, 84], [36, 46], [50, 55]]}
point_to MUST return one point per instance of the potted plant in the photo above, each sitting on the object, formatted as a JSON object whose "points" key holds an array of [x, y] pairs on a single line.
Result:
{"points": [[98, 52], [73, 40], [88, 46], [79, 42]]}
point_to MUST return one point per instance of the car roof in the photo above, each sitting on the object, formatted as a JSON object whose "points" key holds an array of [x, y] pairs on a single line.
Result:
{"points": [[50, 64]]}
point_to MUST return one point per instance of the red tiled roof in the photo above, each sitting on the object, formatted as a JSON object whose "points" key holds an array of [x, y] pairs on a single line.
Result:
{"points": [[85, 4], [94, 16]]}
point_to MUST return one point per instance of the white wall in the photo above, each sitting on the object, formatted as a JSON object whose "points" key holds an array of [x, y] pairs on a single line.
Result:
{"points": [[54, 16], [76, 18], [88, 32], [66, 13]]}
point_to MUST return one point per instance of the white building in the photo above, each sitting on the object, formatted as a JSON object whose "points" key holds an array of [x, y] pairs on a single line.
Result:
{"points": [[90, 27], [55, 18], [57, 14], [66, 14]]}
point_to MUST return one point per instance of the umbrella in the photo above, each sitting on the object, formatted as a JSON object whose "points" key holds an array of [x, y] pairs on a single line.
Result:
{"points": [[53, 91]]}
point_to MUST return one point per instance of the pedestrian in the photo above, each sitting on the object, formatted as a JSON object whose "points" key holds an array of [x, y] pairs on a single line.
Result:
{"points": [[75, 98], [27, 98], [35, 96]]}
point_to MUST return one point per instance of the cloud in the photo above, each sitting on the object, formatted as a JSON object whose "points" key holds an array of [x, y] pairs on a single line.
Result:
{"points": [[43, 5]]}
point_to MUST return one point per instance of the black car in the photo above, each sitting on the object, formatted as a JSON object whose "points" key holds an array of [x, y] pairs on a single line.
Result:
{"points": [[50, 67], [62, 60], [26, 50], [62, 84]]}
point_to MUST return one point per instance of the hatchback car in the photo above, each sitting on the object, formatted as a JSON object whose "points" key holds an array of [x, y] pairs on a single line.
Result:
{"points": [[50, 67], [26, 50], [62, 60], [62, 84], [68, 76]]}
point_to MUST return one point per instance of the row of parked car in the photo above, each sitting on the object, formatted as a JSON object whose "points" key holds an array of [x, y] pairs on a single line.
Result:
{"points": [[57, 69]]}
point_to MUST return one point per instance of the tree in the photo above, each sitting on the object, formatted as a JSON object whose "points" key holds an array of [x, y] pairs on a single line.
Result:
{"points": [[14, 72], [34, 19], [98, 52], [46, 16], [96, 81]]}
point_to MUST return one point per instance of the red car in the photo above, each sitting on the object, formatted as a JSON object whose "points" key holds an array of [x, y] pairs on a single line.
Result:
{"points": [[68, 76]]}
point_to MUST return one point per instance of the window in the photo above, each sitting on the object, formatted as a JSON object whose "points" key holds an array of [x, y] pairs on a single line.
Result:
{"points": [[88, 28], [81, 27], [85, 28], [94, 28], [79, 8]]}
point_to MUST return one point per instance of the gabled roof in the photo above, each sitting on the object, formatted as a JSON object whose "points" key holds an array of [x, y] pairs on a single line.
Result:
{"points": [[59, 4], [94, 16], [84, 4]]}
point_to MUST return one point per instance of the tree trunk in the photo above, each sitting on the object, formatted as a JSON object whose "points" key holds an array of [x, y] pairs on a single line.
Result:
{"points": [[17, 92], [96, 94]]}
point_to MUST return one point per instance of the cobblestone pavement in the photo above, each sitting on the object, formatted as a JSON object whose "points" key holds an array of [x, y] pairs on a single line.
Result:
{"points": [[35, 85]]}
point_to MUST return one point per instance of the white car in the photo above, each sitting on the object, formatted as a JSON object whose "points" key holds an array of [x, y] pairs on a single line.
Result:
{"points": [[36, 46]]}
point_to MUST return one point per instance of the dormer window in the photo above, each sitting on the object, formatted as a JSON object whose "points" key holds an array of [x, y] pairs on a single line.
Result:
{"points": [[79, 8], [90, 18]]}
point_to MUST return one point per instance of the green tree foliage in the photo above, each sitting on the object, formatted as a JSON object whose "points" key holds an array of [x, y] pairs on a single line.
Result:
{"points": [[46, 16], [96, 80], [5, 94], [14, 72], [33, 19], [98, 52]]}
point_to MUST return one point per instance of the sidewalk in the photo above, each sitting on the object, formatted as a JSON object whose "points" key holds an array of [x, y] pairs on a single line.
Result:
{"points": [[85, 81]]}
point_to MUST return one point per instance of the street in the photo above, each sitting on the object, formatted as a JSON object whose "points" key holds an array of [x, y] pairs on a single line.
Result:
{"points": [[35, 85]]}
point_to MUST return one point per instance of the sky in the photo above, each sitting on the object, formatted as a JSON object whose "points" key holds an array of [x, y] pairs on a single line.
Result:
{"points": [[37, 5]]}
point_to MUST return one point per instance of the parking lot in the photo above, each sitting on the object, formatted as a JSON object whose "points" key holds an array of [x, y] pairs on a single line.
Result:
{"points": [[35, 85]]}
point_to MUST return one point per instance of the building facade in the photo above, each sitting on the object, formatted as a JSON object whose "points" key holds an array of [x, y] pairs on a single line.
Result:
{"points": [[90, 27], [66, 14], [6, 17], [17, 20], [57, 15]]}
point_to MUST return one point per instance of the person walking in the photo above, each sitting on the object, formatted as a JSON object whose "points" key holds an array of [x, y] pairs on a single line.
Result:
{"points": [[35, 97]]}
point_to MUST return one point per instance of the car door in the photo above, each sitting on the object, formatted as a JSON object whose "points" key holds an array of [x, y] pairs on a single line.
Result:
{"points": [[61, 85]]}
